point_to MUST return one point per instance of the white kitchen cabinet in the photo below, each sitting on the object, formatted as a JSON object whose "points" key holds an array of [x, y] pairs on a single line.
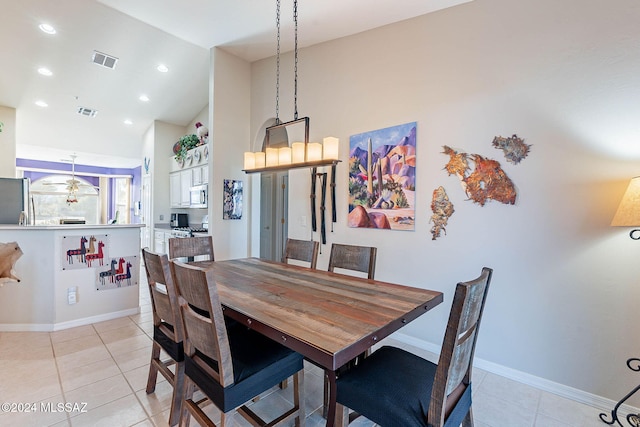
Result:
{"points": [[174, 189], [185, 187], [205, 174], [159, 242], [179, 186], [182, 178], [200, 175], [196, 175]]}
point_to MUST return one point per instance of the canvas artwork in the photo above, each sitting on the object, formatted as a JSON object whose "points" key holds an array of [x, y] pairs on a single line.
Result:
{"points": [[118, 272], [382, 178], [85, 251], [232, 208]]}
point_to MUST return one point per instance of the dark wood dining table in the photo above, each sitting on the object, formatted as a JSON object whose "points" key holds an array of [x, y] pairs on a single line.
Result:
{"points": [[329, 318]]}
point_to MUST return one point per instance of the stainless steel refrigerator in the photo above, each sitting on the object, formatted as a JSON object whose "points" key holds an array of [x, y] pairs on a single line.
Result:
{"points": [[14, 200]]}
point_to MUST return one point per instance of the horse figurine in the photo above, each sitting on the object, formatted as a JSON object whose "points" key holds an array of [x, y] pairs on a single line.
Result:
{"points": [[99, 256], [126, 276], [80, 253]]}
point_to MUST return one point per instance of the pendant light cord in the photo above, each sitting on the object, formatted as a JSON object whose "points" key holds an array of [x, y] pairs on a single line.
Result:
{"points": [[295, 64], [278, 64]]}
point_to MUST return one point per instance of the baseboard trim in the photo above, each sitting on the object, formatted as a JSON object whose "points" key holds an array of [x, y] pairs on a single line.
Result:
{"points": [[26, 327], [50, 327], [599, 402]]}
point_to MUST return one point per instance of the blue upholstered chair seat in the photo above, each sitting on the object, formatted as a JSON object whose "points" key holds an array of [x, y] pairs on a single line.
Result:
{"points": [[259, 363], [393, 388], [173, 349]]}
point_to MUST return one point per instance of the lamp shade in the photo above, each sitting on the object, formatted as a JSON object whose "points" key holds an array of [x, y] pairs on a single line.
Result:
{"points": [[297, 152], [249, 160], [272, 156], [260, 159], [314, 152], [330, 148], [284, 156], [628, 213]]}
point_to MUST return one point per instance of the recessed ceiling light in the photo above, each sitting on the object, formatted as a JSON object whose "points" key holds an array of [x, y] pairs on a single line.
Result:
{"points": [[46, 28], [144, 98], [128, 122], [45, 71], [41, 103], [162, 68]]}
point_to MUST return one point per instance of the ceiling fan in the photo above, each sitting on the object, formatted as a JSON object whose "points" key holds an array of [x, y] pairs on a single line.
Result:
{"points": [[72, 186]]}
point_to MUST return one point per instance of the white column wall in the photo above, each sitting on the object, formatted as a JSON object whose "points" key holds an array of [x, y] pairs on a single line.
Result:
{"points": [[8, 142], [229, 136]]}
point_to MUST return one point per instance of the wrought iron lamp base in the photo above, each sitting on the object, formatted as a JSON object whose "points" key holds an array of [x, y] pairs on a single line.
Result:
{"points": [[632, 419]]}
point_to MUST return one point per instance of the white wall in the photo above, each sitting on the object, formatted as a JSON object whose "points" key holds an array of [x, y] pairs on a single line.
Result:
{"points": [[229, 136], [8, 142], [165, 135], [563, 75]]}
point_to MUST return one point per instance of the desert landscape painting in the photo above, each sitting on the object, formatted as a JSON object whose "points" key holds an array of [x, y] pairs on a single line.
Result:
{"points": [[382, 171]]}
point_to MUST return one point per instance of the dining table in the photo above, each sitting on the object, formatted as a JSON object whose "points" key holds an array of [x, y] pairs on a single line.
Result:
{"points": [[329, 318]]}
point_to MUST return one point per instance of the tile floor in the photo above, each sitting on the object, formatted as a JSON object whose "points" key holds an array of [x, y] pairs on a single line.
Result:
{"points": [[100, 372]]}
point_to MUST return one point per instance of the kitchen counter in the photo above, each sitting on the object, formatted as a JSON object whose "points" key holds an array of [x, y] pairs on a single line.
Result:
{"points": [[99, 264], [68, 226]]}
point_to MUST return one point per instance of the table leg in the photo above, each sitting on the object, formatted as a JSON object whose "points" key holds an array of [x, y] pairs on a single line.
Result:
{"points": [[331, 412]]}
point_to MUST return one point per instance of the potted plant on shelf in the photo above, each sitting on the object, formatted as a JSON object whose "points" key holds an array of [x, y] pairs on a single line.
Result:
{"points": [[184, 144]]}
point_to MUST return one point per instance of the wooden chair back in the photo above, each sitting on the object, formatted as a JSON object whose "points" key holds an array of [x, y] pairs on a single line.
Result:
{"points": [[356, 258], [198, 293], [301, 250], [191, 247], [164, 299], [453, 373]]}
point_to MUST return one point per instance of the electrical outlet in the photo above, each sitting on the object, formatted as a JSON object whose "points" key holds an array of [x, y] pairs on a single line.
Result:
{"points": [[71, 295], [161, 217]]}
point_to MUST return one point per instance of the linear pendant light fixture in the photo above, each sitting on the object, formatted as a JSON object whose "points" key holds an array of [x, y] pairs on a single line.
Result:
{"points": [[299, 154]]}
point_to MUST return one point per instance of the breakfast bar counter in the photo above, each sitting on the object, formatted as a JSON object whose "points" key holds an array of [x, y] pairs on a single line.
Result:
{"points": [[69, 275]]}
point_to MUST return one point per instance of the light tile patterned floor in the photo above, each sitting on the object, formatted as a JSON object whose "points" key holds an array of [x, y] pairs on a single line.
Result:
{"points": [[105, 365]]}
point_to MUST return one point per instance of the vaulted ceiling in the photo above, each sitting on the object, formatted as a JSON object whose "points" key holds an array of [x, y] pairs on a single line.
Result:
{"points": [[143, 34]]}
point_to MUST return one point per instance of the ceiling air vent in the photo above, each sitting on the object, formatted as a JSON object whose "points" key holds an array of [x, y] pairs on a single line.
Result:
{"points": [[104, 60], [88, 112]]}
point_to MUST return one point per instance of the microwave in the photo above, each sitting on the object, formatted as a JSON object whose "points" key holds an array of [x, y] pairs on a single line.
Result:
{"points": [[198, 196]]}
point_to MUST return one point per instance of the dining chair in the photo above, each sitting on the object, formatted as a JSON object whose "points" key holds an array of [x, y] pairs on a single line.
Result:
{"points": [[351, 257], [167, 330], [393, 387], [301, 250], [230, 365], [189, 247], [355, 258]]}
